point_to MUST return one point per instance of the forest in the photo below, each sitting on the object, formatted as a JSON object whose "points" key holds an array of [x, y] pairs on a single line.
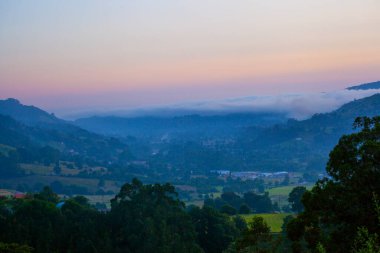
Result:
{"points": [[341, 213]]}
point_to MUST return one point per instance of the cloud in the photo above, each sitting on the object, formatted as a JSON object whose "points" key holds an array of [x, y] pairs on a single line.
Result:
{"points": [[299, 106]]}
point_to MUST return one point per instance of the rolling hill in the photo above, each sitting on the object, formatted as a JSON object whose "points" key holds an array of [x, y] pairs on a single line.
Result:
{"points": [[305, 145], [183, 127], [366, 86], [30, 128], [28, 115]]}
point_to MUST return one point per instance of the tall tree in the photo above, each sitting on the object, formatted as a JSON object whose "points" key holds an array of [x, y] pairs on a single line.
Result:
{"points": [[151, 218], [338, 206], [215, 230], [295, 197]]}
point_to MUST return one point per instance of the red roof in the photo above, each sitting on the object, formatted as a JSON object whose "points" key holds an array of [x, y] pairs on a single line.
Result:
{"points": [[19, 195]]}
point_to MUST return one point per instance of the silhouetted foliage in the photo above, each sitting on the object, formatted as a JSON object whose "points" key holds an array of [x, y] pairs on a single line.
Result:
{"points": [[295, 197], [215, 230], [337, 207], [150, 218]]}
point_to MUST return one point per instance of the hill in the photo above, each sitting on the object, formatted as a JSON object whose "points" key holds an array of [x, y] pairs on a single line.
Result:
{"points": [[34, 135], [28, 115], [366, 86], [238, 142], [305, 145], [183, 127]]}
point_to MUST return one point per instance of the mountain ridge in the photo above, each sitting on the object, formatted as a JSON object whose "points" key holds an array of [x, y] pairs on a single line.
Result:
{"points": [[366, 86], [28, 115], [40, 129]]}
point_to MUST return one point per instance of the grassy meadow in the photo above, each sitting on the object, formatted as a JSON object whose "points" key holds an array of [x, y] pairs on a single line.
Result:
{"points": [[274, 220]]}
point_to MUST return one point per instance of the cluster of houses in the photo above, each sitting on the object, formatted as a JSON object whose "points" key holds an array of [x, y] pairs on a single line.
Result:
{"points": [[250, 174], [9, 194]]}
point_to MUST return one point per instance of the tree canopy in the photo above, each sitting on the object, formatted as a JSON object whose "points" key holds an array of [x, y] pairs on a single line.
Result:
{"points": [[295, 197], [339, 205]]}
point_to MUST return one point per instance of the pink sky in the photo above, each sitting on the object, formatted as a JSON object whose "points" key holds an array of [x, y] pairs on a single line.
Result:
{"points": [[66, 55]]}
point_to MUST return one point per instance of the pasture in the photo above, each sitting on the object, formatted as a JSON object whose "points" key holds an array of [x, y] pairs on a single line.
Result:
{"points": [[274, 220]]}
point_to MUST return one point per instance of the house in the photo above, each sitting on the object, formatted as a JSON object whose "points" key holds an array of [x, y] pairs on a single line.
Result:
{"points": [[5, 193]]}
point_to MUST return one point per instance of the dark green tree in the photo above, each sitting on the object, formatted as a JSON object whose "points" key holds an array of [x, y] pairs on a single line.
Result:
{"points": [[48, 195], [14, 248], [259, 203], [338, 206], [244, 209], [228, 209], [151, 218], [256, 238], [84, 229], [295, 197], [240, 223], [215, 230], [232, 199]]}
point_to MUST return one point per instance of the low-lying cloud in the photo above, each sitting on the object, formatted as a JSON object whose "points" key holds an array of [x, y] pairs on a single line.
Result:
{"points": [[299, 106]]}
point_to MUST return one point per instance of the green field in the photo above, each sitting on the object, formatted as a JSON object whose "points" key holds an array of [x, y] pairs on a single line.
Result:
{"points": [[90, 183], [274, 220], [284, 190], [219, 193], [43, 170], [280, 194]]}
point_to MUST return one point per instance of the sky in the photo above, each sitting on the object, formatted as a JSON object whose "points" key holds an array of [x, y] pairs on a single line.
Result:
{"points": [[73, 55]]}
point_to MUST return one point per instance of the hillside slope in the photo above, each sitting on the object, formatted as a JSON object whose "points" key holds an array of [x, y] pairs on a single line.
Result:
{"points": [[183, 127], [305, 144], [366, 86], [30, 128], [28, 115]]}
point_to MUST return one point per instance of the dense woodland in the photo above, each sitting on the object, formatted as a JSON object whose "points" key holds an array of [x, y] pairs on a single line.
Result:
{"points": [[340, 214]]}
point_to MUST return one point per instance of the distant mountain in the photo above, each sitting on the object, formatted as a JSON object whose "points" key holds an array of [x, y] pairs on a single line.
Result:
{"points": [[181, 126], [366, 86], [261, 142], [28, 115], [306, 144], [335, 124], [30, 128]]}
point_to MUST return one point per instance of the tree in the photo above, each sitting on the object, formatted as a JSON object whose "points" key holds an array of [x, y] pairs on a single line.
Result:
{"points": [[295, 197], [240, 223], [228, 209], [244, 209], [34, 224], [47, 194], [232, 199], [259, 203], [14, 248], [256, 238], [365, 242], [151, 214], [338, 206], [215, 230], [84, 229]]}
